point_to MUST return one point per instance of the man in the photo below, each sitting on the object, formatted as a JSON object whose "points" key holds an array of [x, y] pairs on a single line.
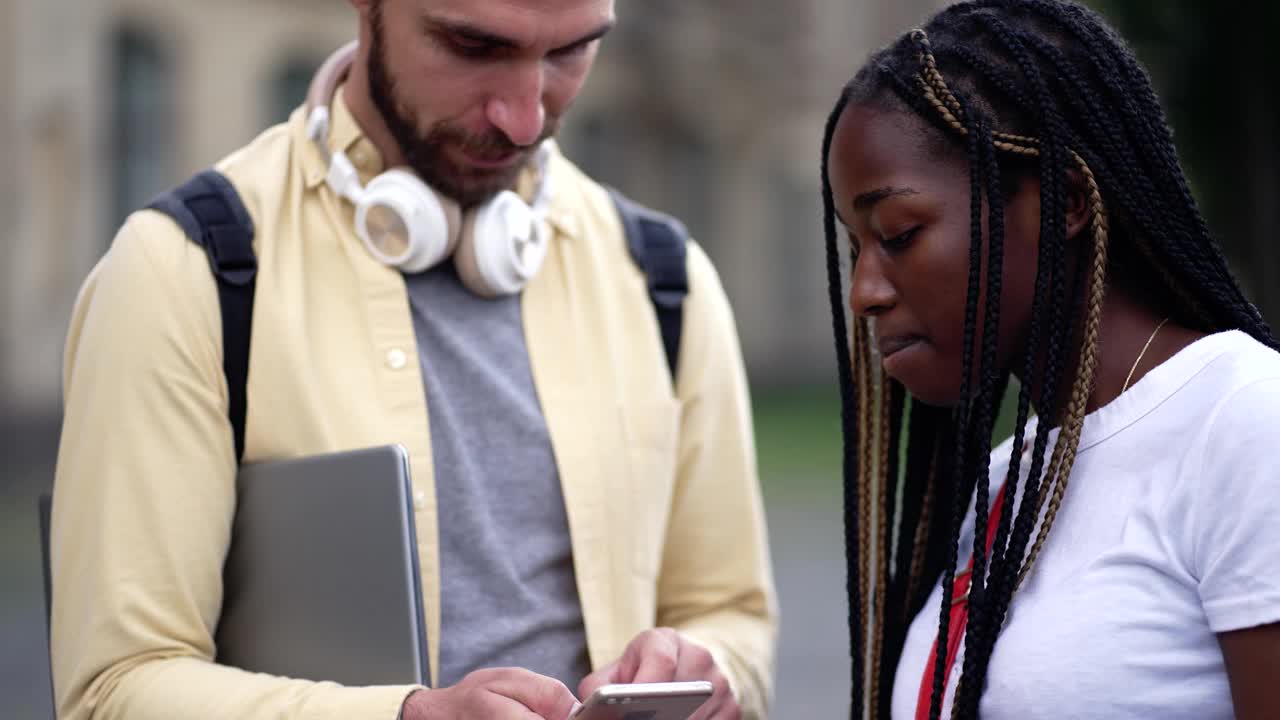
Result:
{"points": [[579, 522]]}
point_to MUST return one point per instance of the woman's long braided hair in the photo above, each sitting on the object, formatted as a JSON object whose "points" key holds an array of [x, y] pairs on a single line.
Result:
{"points": [[1020, 86]]}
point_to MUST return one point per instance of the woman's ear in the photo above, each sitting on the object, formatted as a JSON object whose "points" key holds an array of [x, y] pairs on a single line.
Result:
{"points": [[1079, 208]]}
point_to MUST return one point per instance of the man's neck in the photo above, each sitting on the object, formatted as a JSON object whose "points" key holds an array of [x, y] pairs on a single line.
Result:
{"points": [[359, 100]]}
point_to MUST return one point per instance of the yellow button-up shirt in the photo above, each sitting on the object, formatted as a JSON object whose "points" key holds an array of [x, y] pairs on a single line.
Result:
{"points": [[660, 486]]}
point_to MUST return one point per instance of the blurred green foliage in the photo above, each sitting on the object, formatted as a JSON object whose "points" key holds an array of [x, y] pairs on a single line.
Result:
{"points": [[798, 442]]}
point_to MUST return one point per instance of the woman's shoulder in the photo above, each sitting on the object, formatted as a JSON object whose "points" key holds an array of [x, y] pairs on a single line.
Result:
{"points": [[1215, 401], [1244, 355], [1240, 417], [1242, 378]]}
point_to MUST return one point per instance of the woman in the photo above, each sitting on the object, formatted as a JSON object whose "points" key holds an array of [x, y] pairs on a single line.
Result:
{"points": [[1014, 207]]}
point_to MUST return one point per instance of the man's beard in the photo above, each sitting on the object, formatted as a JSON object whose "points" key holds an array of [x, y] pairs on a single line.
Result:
{"points": [[425, 153]]}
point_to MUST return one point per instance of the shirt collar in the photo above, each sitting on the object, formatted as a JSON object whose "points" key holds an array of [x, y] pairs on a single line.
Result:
{"points": [[562, 214], [345, 135]]}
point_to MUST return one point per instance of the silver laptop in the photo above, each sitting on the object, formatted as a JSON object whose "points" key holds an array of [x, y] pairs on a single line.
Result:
{"points": [[321, 582]]}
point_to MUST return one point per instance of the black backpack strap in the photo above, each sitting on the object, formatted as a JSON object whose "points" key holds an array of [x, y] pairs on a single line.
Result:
{"points": [[44, 510], [209, 210], [658, 245]]}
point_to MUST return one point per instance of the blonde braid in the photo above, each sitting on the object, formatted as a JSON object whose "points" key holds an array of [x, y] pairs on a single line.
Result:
{"points": [[1064, 451], [885, 485], [1029, 147], [1016, 144], [941, 107], [933, 87], [930, 74], [861, 373], [922, 533]]}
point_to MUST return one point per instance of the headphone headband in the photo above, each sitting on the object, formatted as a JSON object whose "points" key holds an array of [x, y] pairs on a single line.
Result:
{"points": [[324, 84]]}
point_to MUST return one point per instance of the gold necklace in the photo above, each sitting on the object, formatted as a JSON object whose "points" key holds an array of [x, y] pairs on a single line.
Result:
{"points": [[1144, 352]]}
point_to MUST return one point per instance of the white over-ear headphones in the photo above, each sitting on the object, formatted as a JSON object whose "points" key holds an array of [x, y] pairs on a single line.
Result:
{"points": [[497, 247]]}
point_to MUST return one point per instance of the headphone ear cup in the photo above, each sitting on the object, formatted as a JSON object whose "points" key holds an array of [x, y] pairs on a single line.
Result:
{"points": [[404, 224], [502, 246], [464, 260]]}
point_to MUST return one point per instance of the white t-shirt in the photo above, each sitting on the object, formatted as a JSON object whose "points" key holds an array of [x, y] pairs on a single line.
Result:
{"points": [[1168, 534]]}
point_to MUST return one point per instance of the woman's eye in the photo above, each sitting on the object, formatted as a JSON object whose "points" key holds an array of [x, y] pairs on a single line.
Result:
{"points": [[853, 244], [900, 241]]}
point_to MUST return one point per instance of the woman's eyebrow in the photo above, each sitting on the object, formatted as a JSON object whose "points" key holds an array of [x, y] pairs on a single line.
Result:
{"points": [[867, 200]]}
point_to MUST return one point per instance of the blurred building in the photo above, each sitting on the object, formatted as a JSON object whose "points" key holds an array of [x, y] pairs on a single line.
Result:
{"points": [[711, 110]]}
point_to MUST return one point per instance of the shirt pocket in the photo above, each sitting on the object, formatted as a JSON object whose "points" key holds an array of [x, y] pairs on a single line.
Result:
{"points": [[651, 434]]}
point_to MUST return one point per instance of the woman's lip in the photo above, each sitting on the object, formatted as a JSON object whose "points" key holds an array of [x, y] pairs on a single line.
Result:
{"points": [[895, 344]]}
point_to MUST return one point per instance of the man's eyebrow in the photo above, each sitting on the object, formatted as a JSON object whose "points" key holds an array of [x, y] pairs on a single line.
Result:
{"points": [[475, 34], [867, 200], [472, 33], [591, 36]]}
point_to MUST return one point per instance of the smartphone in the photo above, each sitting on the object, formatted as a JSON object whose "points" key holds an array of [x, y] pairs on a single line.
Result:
{"points": [[645, 701]]}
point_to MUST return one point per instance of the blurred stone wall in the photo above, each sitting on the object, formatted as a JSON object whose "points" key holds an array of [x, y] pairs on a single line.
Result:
{"points": [[709, 110]]}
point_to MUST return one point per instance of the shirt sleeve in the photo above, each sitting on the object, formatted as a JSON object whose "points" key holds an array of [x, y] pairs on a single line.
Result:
{"points": [[1235, 534], [716, 583], [144, 502]]}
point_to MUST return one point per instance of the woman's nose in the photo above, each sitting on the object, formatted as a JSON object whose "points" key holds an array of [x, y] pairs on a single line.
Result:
{"points": [[870, 292]]}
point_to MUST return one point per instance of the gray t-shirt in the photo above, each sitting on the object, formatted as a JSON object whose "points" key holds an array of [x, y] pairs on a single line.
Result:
{"points": [[508, 596]]}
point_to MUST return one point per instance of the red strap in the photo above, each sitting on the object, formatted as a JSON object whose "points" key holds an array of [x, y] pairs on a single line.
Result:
{"points": [[959, 618]]}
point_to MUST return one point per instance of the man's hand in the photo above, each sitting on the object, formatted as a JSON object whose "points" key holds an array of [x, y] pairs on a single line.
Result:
{"points": [[664, 655], [494, 694]]}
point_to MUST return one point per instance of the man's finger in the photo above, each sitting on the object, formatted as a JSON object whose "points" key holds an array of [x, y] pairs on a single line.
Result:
{"points": [[545, 697], [603, 676], [659, 656], [694, 662], [505, 707]]}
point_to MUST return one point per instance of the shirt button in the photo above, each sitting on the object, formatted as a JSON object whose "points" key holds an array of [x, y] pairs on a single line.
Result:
{"points": [[420, 500], [397, 359]]}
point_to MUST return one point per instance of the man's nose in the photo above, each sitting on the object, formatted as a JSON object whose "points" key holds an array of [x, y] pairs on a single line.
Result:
{"points": [[870, 292], [517, 108]]}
